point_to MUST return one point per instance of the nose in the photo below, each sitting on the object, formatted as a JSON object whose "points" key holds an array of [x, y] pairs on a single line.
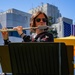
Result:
{"points": [[41, 20]]}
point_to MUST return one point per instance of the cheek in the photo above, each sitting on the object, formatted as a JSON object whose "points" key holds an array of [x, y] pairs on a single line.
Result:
{"points": [[37, 23]]}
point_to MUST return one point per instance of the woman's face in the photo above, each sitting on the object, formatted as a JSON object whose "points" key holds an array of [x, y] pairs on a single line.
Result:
{"points": [[40, 20]]}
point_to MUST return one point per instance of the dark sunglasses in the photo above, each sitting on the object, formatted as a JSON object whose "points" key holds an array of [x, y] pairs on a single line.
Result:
{"points": [[39, 19]]}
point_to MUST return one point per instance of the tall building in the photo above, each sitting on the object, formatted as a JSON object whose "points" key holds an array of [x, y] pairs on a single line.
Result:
{"points": [[12, 18], [49, 10], [63, 26]]}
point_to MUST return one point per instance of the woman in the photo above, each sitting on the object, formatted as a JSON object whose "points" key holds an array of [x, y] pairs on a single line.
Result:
{"points": [[40, 35]]}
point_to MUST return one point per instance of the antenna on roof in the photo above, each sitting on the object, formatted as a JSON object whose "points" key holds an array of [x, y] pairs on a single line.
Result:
{"points": [[42, 6], [32, 8]]}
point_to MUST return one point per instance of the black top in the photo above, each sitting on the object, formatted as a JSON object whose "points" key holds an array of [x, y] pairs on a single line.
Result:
{"points": [[42, 37]]}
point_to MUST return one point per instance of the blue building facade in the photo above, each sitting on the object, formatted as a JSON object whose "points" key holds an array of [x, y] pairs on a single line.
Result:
{"points": [[67, 29]]}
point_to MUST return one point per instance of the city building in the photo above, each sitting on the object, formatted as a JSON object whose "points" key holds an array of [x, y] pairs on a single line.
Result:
{"points": [[12, 18], [63, 26], [49, 10]]}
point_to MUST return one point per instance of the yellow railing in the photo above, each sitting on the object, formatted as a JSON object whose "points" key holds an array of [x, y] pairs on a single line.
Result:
{"points": [[68, 41]]}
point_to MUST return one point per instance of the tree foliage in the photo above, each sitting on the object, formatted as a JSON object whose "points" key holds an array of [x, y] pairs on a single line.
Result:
{"points": [[53, 31]]}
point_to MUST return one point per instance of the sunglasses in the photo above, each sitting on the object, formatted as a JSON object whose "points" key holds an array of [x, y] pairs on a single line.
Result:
{"points": [[39, 19]]}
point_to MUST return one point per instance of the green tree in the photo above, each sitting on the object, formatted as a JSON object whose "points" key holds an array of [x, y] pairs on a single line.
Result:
{"points": [[53, 31], [50, 20]]}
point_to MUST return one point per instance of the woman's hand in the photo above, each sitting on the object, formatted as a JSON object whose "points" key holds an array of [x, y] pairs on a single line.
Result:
{"points": [[5, 34], [19, 29]]}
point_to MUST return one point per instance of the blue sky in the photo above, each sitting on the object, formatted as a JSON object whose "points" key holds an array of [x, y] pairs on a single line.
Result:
{"points": [[66, 7]]}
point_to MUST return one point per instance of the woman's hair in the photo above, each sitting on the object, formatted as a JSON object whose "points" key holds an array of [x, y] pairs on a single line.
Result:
{"points": [[34, 16]]}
